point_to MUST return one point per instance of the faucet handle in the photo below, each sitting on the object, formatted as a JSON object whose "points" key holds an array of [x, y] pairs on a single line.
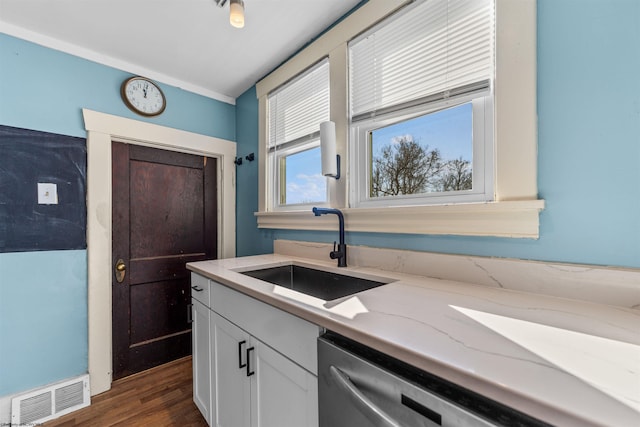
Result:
{"points": [[334, 253]]}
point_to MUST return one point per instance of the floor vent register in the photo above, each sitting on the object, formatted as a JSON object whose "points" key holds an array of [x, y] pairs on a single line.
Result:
{"points": [[51, 402]]}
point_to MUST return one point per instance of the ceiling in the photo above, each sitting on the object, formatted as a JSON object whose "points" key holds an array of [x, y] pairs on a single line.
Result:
{"points": [[184, 43]]}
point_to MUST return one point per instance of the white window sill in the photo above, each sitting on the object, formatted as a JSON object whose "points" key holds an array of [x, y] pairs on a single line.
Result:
{"points": [[518, 219]]}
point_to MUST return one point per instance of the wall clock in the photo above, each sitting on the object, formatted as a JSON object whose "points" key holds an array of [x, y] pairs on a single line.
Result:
{"points": [[143, 96]]}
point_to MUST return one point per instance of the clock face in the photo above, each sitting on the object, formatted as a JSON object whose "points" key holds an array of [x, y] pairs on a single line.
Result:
{"points": [[143, 96]]}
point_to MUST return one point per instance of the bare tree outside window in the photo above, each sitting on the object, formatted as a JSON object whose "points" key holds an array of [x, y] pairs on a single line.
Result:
{"points": [[457, 175], [407, 167], [426, 154]]}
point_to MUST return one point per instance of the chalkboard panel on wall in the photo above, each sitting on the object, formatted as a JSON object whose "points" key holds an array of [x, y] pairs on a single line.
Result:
{"points": [[30, 157]]}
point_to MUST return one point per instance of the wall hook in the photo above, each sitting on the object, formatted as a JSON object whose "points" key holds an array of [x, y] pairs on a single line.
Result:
{"points": [[250, 157]]}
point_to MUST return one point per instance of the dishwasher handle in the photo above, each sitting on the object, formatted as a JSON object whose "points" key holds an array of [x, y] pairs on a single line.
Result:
{"points": [[366, 406]]}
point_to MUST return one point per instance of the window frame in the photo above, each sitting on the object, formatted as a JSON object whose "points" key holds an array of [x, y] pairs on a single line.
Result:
{"points": [[482, 161], [516, 208]]}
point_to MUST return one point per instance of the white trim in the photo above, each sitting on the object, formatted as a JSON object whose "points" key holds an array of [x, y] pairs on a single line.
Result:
{"points": [[515, 101], [101, 130], [264, 180], [502, 219], [5, 409], [338, 111], [109, 61]]}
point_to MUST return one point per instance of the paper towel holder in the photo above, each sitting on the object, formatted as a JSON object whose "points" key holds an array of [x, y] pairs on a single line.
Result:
{"points": [[330, 167]]}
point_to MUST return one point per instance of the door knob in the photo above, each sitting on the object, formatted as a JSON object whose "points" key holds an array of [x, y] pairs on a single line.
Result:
{"points": [[121, 270]]}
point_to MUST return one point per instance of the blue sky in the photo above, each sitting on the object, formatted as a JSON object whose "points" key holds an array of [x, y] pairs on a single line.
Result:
{"points": [[305, 182], [447, 130]]}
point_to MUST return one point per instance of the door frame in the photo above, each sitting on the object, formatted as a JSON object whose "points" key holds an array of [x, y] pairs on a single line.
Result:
{"points": [[102, 129]]}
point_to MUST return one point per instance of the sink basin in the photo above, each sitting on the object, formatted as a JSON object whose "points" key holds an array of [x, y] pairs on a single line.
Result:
{"points": [[317, 283]]}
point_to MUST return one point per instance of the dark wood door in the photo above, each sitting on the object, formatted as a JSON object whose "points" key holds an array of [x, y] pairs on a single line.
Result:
{"points": [[164, 215]]}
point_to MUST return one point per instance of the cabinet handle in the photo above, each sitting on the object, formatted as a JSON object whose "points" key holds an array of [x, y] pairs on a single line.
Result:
{"points": [[249, 371], [240, 364], [189, 313], [196, 288]]}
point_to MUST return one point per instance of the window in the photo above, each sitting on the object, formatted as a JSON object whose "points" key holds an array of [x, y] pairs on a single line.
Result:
{"points": [[295, 112], [421, 106], [503, 102]]}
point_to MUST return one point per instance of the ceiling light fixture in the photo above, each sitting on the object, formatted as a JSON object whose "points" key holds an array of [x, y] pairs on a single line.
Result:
{"points": [[236, 13]]}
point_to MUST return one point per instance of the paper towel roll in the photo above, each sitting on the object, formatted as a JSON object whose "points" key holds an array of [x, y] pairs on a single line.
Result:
{"points": [[328, 148]]}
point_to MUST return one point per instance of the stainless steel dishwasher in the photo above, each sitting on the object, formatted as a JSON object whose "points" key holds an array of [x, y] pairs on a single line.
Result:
{"points": [[359, 387]]}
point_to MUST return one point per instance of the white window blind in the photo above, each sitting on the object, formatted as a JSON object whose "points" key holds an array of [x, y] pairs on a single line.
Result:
{"points": [[432, 50], [297, 109]]}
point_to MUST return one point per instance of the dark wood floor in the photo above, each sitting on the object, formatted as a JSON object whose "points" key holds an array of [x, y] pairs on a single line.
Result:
{"points": [[162, 396]]}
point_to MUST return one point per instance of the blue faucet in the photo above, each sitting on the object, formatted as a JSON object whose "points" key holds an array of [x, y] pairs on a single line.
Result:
{"points": [[341, 253]]}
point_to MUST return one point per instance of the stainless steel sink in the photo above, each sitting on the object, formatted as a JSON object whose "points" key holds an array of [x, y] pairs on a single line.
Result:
{"points": [[317, 283]]}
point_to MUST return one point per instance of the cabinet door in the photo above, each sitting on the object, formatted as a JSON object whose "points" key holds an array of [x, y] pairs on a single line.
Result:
{"points": [[201, 360], [283, 394], [230, 385]]}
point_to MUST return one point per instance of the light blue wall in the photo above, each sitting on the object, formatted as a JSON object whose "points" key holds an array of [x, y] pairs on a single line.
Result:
{"points": [[588, 146], [589, 130], [45, 89], [43, 295], [248, 242], [43, 318]]}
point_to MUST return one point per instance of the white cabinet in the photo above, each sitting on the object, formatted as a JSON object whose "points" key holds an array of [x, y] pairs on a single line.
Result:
{"points": [[282, 393], [201, 372], [254, 385], [230, 387], [262, 360], [200, 313]]}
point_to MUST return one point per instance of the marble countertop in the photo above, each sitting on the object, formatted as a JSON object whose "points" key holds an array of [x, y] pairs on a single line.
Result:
{"points": [[562, 361]]}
